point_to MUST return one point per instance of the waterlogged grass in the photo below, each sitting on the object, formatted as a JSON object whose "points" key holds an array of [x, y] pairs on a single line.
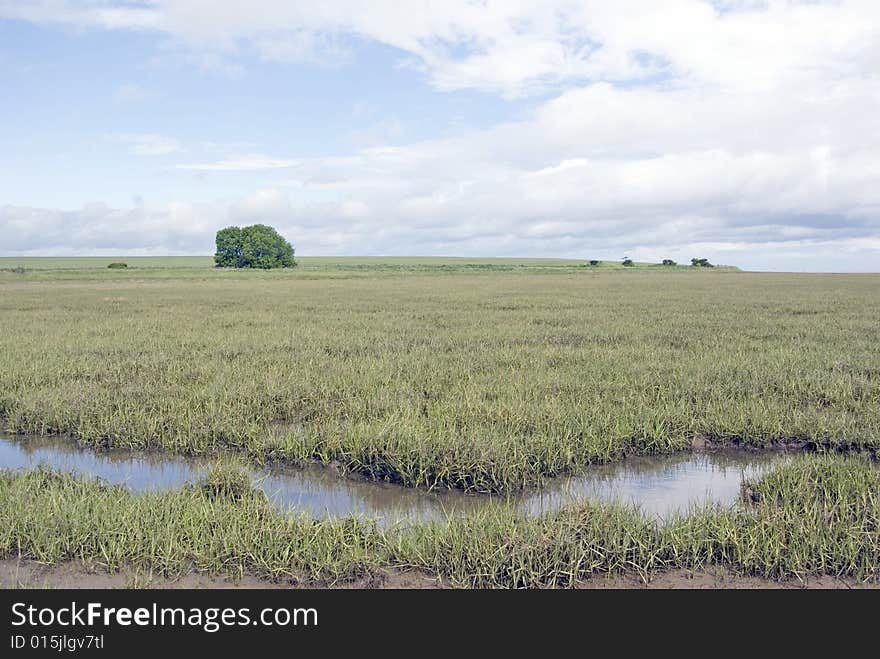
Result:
{"points": [[815, 516], [818, 515], [220, 525], [483, 382]]}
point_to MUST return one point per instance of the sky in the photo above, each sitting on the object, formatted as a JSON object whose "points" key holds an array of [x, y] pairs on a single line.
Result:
{"points": [[742, 131]]}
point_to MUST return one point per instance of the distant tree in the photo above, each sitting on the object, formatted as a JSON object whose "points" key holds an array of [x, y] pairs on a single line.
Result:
{"points": [[594, 262], [669, 262], [255, 246], [627, 262], [117, 265], [701, 263]]}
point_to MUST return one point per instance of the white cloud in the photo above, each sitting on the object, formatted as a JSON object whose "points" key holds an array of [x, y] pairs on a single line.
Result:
{"points": [[146, 144], [748, 132], [514, 46], [96, 228]]}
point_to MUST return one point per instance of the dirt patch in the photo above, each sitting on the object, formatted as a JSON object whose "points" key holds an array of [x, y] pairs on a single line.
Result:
{"points": [[794, 445], [18, 573], [718, 578]]}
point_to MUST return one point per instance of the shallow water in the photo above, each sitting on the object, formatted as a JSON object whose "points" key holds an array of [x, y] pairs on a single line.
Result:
{"points": [[660, 485]]}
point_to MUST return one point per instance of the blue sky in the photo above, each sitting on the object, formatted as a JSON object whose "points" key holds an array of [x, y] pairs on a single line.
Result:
{"points": [[85, 98], [745, 132]]}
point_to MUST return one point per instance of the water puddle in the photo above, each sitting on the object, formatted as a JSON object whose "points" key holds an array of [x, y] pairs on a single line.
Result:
{"points": [[660, 485]]}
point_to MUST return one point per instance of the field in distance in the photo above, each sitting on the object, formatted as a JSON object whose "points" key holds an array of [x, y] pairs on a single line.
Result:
{"points": [[316, 263]]}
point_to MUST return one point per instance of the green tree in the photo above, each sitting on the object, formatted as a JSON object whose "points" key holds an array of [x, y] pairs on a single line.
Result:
{"points": [[255, 246], [668, 262], [701, 263]]}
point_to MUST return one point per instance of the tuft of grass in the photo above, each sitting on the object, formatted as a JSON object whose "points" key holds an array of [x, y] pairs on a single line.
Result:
{"points": [[226, 480]]}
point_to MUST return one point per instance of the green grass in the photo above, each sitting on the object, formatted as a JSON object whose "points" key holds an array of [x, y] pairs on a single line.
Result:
{"points": [[814, 516], [52, 517], [483, 375], [484, 381]]}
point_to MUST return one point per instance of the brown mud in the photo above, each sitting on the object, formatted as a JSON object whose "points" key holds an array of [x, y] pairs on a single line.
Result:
{"points": [[18, 573]]}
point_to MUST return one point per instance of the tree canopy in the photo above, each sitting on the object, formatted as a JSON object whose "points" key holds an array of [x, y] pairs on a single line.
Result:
{"points": [[256, 246]]}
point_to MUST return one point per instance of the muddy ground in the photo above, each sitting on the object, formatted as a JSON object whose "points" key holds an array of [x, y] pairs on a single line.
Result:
{"points": [[16, 573]]}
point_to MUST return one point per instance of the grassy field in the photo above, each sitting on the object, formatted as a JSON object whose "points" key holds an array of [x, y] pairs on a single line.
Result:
{"points": [[79, 262], [303, 262], [95, 262], [818, 515], [87, 267], [480, 379]]}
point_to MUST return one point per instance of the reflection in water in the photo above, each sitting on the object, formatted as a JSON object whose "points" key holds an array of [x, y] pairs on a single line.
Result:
{"points": [[660, 485]]}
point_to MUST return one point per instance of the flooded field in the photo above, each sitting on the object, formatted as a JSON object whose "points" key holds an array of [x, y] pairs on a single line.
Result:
{"points": [[659, 485]]}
